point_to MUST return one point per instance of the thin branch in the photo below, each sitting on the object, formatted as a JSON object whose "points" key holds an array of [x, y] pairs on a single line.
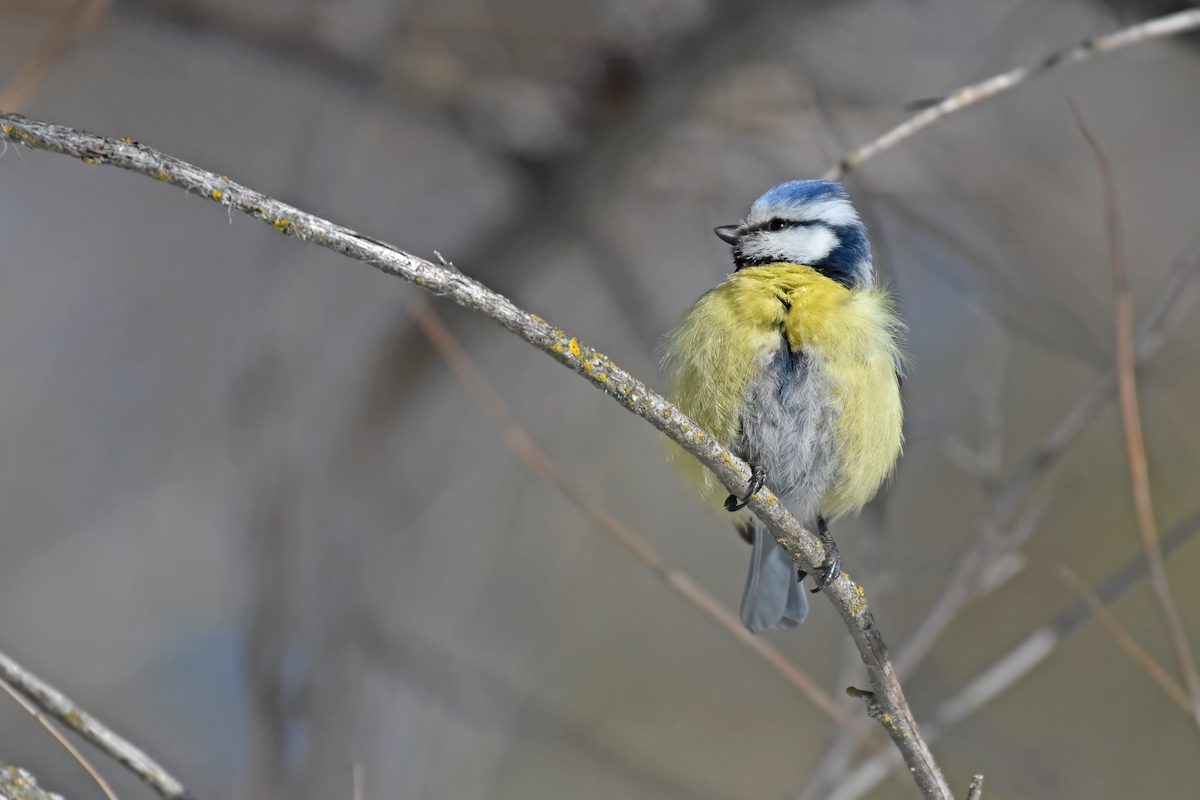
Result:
{"points": [[847, 597], [1135, 445], [1124, 640], [976, 790], [1011, 667], [540, 464], [67, 712], [65, 33], [998, 533], [66, 743], [991, 541], [1169, 25]]}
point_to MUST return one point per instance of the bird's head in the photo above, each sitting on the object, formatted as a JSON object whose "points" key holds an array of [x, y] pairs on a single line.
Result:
{"points": [[804, 222]]}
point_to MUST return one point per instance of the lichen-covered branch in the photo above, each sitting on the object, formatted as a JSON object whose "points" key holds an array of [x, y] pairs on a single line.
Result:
{"points": [[66, 711], [62, 739], [847, 597], [19, 784]]}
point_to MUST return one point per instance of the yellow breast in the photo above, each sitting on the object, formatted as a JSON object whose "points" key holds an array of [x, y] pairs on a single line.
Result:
{"points": [[850, 332]]}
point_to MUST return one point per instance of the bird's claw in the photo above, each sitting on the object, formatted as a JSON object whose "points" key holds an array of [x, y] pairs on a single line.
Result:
{"points": [[832, 566], [758, 479]]}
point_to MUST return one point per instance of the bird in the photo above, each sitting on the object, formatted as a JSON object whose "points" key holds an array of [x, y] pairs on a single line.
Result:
{"points": [[793, 363]]}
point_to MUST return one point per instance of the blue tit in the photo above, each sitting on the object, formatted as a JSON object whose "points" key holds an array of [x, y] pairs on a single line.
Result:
{"points": [[794, 364]]}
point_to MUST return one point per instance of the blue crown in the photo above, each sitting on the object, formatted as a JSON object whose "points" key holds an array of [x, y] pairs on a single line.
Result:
{"points": [[795, 192]]}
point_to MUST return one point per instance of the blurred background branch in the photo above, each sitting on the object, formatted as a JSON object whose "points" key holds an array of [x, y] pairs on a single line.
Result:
{"points": [[1171, 25], [73, 24], [1135, 443]]}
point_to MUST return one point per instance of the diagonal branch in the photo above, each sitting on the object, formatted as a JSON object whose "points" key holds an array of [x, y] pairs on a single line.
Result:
{"points": [[66, 711], [1170, 25], [1011, 667], [678, 581], [1135, 444], [847, 597], [992, 540], [63, 740], [70, 27], [1124, 640]]}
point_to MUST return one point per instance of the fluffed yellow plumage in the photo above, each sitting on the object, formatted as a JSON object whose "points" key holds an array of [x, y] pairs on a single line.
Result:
{"points": [[715, 352]]}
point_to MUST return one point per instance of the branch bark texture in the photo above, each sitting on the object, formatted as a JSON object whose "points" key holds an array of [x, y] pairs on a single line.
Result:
{"points": [[19, 784]]}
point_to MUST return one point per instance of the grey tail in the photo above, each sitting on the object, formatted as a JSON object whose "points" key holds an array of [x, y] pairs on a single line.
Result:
{"points": [[773, 598]]}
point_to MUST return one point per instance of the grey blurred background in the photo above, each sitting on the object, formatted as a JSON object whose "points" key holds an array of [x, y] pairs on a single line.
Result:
{"points": [[252, 521]]}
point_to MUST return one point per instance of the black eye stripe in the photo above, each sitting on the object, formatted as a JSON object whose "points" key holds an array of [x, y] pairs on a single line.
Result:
{"points": [[779, 224]]}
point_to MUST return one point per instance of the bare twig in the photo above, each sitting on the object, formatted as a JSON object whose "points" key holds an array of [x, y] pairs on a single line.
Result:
{"points": [[66, 711], [1174, 295], [1012, 666], [1169, 25], [70, 27], [1124, 640], [540, 464], [64, 741], [976, 790], [1131, 421], [996, 531], [847, 597]]}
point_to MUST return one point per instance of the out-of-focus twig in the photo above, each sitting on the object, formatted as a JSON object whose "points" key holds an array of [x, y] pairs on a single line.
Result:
{"points": [[1011, 667], [69, 28], [998, 532], [1124, 640], [1169, 25], [976, 790], [1135, 444], [533, 457], [1174, 294], [66, 711], [64, 741]]}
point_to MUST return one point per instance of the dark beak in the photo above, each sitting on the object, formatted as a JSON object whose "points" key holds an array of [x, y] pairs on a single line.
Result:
{"points": [[728, 233]]}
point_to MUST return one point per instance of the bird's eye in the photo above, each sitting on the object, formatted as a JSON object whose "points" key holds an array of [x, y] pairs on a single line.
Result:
{"points": [[776, 224]]}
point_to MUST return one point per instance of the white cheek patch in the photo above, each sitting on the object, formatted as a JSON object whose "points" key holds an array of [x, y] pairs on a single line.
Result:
{"points": [[800, 245]]}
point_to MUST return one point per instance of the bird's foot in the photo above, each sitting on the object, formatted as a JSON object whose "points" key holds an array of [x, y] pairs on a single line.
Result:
{"points": [[758, 479], [832, 566]]}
